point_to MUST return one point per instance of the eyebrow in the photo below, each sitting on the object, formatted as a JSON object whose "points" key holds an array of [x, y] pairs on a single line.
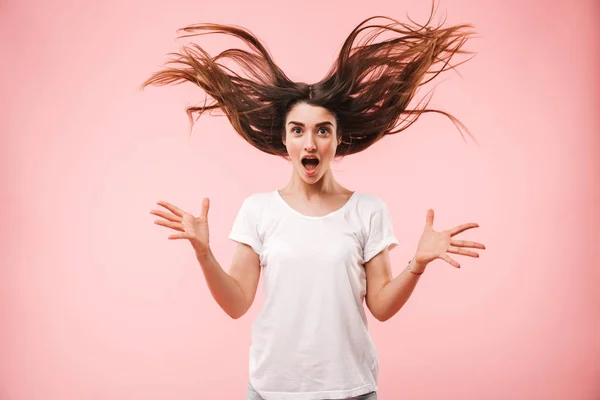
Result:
{"points": [[319, 124]]}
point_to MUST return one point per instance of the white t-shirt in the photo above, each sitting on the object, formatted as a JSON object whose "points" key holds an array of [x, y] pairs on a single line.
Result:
{"points": [[310, 340]]}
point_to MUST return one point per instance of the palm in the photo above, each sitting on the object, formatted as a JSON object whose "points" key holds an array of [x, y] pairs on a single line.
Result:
{"points": [[194, 229], [197, 227], [433, 244]]}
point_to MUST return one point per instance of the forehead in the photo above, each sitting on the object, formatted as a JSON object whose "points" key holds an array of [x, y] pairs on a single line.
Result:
{"points": [[308, 114]]}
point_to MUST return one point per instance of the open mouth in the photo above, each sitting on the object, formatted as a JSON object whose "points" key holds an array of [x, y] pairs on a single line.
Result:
{"points": [[310, 163]]}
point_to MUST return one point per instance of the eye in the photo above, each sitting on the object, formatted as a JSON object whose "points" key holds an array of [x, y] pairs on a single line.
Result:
{"points": [[294, 129], [325, 130]]}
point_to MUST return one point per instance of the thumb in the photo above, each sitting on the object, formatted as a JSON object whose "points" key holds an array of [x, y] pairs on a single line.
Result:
{"points": [[205, 207], [429, 219]]}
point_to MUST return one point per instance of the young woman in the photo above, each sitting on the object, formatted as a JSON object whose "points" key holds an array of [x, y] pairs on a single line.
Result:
{"points": [[322, 248]]}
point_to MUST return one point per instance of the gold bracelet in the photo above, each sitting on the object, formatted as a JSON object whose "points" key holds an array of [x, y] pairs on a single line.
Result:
{"points": [[413, 272]]}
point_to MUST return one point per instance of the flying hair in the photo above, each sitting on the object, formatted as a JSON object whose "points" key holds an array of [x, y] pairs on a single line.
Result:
{"points": [[368, 88]]}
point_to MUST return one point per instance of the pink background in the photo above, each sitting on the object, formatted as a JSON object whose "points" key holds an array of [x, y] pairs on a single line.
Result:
{"points": [[96, 303]]}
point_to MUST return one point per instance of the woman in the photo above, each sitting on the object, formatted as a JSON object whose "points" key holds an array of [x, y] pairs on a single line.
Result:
{"points": [[322, 248]]}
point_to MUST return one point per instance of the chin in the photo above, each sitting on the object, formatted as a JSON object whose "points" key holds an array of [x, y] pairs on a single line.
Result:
{"points": [[310, 178]]}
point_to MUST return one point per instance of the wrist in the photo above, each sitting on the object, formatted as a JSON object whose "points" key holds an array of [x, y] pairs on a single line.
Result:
{"points": [[416, 267], [202, 251]]}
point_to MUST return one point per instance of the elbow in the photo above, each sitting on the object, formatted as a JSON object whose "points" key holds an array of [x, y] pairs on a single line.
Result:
{"points": [[379, 315], [382, 317], [233, 315], [378, 312], [237, 314]]}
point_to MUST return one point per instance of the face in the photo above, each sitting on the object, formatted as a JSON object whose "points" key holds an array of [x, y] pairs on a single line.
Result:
{"points": [[311, 140]]}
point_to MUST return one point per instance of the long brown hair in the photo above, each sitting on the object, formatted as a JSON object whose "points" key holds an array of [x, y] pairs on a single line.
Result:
{"points": [[367, 89]]}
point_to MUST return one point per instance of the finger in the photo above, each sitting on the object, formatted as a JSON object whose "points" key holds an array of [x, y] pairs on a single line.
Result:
{"points": [[179, 236], [168, 224], [462, 228], [172, 208], [205, 207], [462, 252], [167, 216], [429, 218], [449, 260], [465, 243]]}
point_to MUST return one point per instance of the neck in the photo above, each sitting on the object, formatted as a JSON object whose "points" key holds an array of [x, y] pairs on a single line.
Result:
{"points": [[326, 185]]}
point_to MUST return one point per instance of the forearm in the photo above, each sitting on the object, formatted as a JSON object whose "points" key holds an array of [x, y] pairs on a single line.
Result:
{"points": [[393, 295], [224, 288]]}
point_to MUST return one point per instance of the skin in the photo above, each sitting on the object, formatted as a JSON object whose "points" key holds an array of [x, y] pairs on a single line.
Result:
{"points": [[311, 130]]}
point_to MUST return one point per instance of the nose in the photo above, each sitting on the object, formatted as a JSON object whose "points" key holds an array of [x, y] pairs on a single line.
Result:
{"points": [[309, 142]]}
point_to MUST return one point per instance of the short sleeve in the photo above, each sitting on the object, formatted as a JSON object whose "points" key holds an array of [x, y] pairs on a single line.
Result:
{"points": [[380, 233], [245, 226]]}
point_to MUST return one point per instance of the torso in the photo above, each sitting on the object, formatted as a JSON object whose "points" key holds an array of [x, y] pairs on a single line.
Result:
{"points": [[311, 334]]}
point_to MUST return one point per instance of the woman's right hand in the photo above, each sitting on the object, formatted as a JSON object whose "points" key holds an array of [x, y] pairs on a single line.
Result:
{"points": [[195, 229]]}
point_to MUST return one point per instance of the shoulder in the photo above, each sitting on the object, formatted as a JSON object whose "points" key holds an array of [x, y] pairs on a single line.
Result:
{"points": [[258, 201], [260, 197], [369, 203]]}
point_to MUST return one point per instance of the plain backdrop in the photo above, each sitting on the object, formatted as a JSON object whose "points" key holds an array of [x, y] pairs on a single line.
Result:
{"points": [[96, 303]]}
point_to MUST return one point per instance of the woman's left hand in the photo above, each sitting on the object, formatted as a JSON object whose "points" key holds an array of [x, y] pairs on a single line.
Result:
{"points": [[433, 244]]}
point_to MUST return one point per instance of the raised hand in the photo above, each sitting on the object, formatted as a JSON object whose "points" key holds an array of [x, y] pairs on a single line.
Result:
{"points": [[433, 244], [195, 229]]}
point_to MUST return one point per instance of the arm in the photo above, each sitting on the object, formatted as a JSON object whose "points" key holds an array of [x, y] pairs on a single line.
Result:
{"points": [[234, 292], [386, 296]]}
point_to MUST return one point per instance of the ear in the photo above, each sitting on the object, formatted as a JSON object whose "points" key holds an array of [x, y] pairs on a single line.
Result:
{"points": [[339, 137]]}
